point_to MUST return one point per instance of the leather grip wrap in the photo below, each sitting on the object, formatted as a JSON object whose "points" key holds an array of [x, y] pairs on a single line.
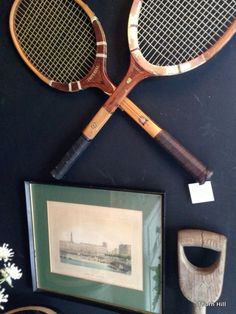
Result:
{"points": [[186, 159], [70, 157]]}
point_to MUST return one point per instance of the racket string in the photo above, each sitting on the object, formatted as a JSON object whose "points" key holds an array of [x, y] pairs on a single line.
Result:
{"points": [[37, 36], [55, 63], [173, 32], [25, 16], [187, 43], [178, 31], [166, 44], [58, 38], [202, 37], [71, 52], [70, 56]]}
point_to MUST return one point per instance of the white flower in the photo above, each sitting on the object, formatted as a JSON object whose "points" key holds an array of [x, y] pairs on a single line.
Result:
{"points": [[3, 298], [6, 254], [10, 272]]}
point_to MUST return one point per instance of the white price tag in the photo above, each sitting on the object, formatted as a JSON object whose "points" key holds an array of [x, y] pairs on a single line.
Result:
{"points": [[201, 193]]}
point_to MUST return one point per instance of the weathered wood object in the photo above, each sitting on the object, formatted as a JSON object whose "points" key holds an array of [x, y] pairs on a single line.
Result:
{"points": [[201, 285]]}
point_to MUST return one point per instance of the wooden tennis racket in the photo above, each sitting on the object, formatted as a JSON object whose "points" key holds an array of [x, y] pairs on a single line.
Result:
{"points": [[165, 38], [64, 44]]}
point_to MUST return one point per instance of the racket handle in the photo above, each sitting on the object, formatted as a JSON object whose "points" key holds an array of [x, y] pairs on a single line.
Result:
{"points": [[186, 159], [70, 157]]}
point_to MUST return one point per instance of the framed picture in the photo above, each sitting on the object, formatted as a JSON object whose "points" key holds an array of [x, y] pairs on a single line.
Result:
{"points": [[97, 244]]}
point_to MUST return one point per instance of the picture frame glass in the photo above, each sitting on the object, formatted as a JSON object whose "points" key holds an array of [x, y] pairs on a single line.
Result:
{"points": [[97, 244]]}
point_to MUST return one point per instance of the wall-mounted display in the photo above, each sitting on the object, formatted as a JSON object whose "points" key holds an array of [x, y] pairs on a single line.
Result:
{"points": [[164, 40], [65, 68], [100, 245]]}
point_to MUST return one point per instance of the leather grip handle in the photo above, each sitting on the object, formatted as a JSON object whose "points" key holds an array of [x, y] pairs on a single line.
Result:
{"points": [[70, 157], [195, 167]]}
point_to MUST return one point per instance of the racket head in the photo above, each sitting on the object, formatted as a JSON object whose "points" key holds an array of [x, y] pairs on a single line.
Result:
{"points": [[62, 42], [173, 27]]}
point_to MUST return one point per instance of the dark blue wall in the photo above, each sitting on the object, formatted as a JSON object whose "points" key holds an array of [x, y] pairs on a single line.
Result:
{"points": [[38, 124]]}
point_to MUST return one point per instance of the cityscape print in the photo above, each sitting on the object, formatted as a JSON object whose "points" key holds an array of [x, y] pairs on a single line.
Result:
{"points": [[98, 256]]}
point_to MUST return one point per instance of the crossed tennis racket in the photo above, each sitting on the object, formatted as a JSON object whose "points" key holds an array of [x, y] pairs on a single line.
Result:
{"points": [[63, 43]]}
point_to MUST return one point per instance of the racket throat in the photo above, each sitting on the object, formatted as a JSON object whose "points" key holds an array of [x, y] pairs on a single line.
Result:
{"points": [[98, 78], [134, 75]]}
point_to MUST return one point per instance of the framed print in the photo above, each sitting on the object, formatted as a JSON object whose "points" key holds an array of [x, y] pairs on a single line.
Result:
{"points": [[97, 244]]}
